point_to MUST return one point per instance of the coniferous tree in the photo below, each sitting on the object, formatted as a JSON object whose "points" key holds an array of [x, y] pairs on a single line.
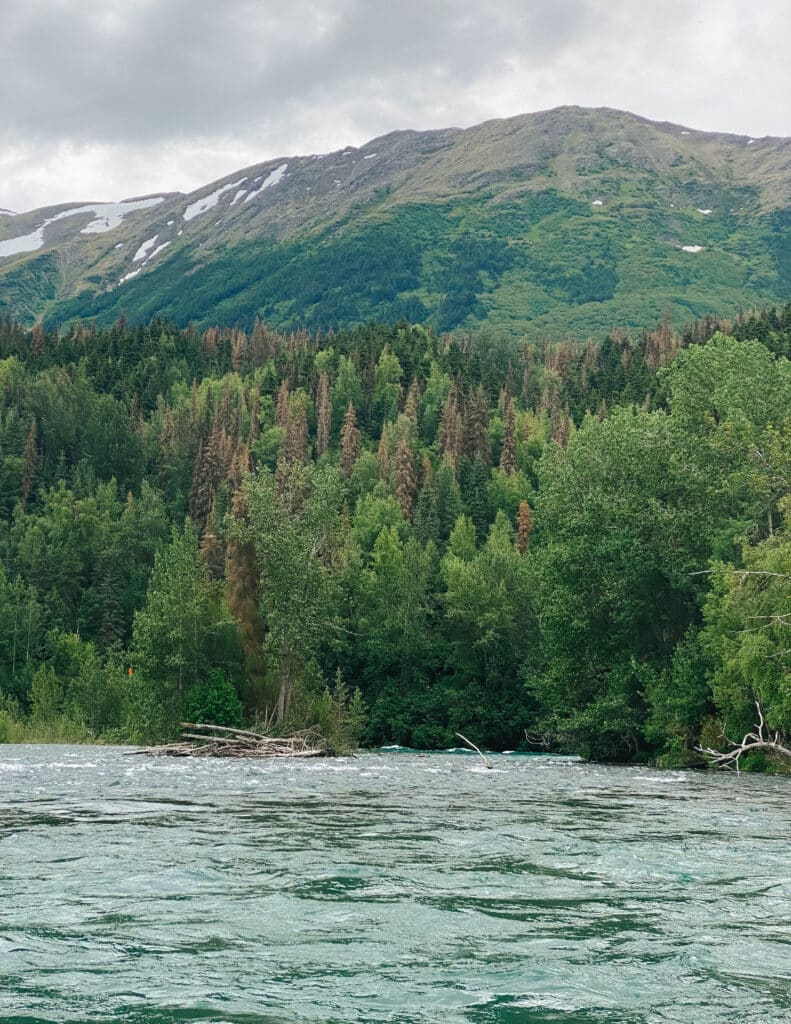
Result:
{"points": [[350, 441], [476, 428], [426, 522], [259, 344], [387, 386], [254, 405], [239, 350], [38, 339], [524, 527], [211, 546], [449, 503], [296, 445], [283, 406], [405, 483], [29, 464], [508, 451], [450, 429], [197, 496], [383, 453], [412, 403], [323, 415]]}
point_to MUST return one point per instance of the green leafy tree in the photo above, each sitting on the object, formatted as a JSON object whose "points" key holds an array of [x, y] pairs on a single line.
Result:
{"points": [[295, 530], [746, 638], [387, 387], [617, 538], [489, 627], [177, 635]]}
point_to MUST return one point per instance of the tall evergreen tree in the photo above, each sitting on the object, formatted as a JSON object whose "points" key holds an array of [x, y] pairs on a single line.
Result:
{"points": [[350, 441], [405, 482], [508, 451], [524, 527], [323, 415], [29, 464]]}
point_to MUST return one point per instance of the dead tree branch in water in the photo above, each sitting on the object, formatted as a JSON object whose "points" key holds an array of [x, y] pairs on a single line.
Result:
{"points": [[472, 745], [760, 739]]}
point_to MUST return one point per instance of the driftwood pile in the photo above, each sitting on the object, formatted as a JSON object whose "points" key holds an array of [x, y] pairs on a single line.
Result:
{"points": [[202, 740]]}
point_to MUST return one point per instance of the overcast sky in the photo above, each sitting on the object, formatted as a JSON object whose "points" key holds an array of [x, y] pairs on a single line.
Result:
{"points": [[107, 99]]}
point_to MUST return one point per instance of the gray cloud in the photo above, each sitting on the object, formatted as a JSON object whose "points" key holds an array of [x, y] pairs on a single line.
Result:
{"points": [[168, 93]]}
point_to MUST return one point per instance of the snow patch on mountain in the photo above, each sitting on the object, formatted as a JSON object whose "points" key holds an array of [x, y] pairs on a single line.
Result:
{"points": [[271, 179], [208, 202], [108, 216], [142, 252], [157, 251], [146, 256], [24, 243]]}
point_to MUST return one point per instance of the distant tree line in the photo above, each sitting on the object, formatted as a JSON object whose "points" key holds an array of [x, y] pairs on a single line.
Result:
{"points": [[397, 534]]}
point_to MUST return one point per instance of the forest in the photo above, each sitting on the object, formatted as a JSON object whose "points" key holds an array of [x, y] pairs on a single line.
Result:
{"points": [[396, 534]]}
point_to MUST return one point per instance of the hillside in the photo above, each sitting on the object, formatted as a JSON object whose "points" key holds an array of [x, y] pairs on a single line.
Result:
{"points": [[565, 222]]}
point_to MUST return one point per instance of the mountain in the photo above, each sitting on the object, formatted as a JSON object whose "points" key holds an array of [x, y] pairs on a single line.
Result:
{"points": [[565, 222]]}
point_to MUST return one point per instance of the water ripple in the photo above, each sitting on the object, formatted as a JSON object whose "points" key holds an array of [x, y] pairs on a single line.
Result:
{"points": [[394, 888]]}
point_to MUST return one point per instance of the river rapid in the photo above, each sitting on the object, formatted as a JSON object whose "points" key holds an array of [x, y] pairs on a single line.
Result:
{"points": [[398, 887]]}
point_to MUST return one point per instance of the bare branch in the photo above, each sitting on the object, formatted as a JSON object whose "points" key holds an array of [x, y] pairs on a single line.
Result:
{"points": [[758, 740], [471, 744]]}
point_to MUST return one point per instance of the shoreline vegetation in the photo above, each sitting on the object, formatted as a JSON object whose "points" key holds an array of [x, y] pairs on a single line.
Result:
{"points": [[388, 535]]}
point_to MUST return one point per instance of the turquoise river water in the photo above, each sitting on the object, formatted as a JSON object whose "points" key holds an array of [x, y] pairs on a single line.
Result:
{"points": [[394, 888]]}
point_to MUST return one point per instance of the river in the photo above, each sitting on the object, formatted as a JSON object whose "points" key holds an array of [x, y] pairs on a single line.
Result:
{"points": [[398, 887]]}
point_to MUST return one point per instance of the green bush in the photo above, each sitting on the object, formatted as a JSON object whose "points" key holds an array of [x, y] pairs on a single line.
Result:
{"points": [[214, 701]]}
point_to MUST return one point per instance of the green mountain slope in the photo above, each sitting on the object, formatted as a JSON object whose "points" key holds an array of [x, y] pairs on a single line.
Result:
{"points": [[564, 222]]}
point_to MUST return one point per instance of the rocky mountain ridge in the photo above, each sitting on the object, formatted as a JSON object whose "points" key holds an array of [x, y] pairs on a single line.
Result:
{"points": [[523, 222]]}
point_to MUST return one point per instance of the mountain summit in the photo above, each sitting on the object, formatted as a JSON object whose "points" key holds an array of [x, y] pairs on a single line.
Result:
{"points": [[567, 221]]}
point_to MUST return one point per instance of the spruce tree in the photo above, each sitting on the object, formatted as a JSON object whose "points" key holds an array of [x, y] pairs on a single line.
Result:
{"points": [[508, 452], [350, 441], [412, 403], [476, 445], [323, 415], [211, 546], [524, 527], [282, 408], [449, 433], [405, 483], [296, 447], [29, 464], [449, 503], [426, 522]]}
